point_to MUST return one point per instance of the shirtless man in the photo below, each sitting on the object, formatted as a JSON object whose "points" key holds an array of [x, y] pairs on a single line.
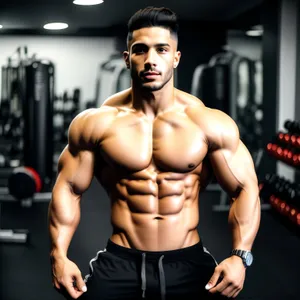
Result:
{"points": [[153, 148]]}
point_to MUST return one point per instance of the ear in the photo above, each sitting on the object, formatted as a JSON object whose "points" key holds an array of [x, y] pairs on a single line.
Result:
{"points": [[176, 59], [126, 59]]}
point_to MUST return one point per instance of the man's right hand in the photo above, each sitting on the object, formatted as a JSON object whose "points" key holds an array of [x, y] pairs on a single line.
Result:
{"points": [[66, 277]]}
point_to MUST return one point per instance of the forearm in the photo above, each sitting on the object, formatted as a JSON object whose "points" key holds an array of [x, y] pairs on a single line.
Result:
{"points": [[244, 218], [64, 217]]}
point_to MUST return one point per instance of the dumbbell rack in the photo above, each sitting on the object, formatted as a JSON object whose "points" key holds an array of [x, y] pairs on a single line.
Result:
{"points": [[285, 147], [19, 236]]}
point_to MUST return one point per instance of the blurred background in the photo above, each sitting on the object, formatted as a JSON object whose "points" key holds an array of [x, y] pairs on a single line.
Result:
{"points": [[59, 58]]}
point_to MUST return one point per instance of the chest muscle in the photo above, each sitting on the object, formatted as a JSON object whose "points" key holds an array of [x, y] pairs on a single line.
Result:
{"points": [[172, 143]]}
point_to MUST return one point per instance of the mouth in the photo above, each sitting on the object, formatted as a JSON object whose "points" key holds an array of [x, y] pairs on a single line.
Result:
{"points": [[150, 75]]}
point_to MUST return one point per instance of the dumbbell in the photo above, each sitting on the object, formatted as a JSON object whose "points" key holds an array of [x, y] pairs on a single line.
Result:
{"points": [[24, 182], [292, 126], [269, 185], [284, 154], [276, 190], [290, 139]]}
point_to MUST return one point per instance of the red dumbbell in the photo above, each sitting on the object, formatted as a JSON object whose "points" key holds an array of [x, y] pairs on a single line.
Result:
{"points": [[286, 138], [24, 183]]}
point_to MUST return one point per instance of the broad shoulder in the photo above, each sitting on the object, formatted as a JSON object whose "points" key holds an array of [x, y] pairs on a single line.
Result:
{"points": [[88, 127], [187, 99], [119, 100], [219, 128]]}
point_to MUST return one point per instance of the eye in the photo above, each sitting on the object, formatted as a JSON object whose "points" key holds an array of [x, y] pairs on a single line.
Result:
{"points": [[139, 50], [162, 50]]}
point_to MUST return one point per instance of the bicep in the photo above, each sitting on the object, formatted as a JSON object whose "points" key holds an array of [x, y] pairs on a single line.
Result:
{"points": [[233, 167], [76, 169]]}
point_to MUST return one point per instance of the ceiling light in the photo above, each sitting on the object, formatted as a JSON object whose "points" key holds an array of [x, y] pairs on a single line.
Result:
{"points": [[1, 26], [254, 32], [56, 26], [87, 2]]}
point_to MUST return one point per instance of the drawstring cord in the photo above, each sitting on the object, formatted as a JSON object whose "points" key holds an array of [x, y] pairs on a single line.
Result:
{"points": [[162, 279], [143, 275]]}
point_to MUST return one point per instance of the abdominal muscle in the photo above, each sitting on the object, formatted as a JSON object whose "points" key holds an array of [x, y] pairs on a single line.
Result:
{"points": [[156, 214]]}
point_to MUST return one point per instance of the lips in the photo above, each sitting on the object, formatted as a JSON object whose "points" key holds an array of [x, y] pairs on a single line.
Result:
{"points": [[150, 75]]}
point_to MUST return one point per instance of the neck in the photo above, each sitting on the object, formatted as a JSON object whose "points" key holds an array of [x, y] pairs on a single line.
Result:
{"points": [[152, 103]]}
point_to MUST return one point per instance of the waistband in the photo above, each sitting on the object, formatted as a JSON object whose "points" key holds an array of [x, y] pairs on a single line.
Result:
{"points": [[169, 255]]}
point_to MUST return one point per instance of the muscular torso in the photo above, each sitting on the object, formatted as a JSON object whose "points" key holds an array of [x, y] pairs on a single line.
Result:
{"points": [[153, 171]]}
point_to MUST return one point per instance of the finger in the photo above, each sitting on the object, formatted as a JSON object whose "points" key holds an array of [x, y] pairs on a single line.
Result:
{"points": [[236, 293], [220, 287], [214, 279], [67, 294], [228, 291], [55, 284], [80, 284], [71, 289], [231, 294]]}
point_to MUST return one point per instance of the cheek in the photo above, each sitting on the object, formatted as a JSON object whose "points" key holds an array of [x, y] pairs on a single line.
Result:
{"points": [[136, 64], [169, 61], [169, 64]]}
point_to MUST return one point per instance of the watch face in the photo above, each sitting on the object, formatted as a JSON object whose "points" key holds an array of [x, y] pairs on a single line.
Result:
{"points": [[249, 259]]}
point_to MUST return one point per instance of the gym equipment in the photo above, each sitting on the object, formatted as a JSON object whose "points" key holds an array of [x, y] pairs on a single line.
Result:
{"points": [[38, 118], [19, 236], [12, 103], [233, 84], [28, 95], [113, 77], [24, 182], [292, 126], [284, 196], [24, 187], [288, 139], [290, 156], [65, 108]]}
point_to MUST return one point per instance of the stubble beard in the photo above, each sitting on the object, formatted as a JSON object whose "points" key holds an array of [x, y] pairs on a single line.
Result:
{"points": [[154, 86]]}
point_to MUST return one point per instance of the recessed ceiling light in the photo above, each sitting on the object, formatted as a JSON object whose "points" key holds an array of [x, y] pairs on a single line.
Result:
{"points": [[56, 26], [1, 26], [254, 32], [87, 2]]}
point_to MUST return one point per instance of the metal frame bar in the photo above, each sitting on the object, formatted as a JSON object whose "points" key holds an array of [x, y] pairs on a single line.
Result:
{"points": [[19, 236]]}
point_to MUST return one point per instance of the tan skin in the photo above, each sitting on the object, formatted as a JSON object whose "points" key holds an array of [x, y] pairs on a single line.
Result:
{"points": [[154, 148]]}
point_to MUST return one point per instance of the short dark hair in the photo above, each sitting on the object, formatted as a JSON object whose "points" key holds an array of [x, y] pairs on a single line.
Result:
{"points": [[152, 17]]}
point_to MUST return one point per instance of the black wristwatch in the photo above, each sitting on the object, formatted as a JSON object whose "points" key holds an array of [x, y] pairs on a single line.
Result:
{"points": [[245, 255]]}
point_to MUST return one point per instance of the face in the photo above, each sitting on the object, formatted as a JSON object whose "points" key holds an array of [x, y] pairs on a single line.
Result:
{"points": [[151, 57]]}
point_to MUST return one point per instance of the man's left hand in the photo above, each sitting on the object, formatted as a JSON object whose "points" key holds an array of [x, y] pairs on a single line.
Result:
{"points": [[232, 272]]}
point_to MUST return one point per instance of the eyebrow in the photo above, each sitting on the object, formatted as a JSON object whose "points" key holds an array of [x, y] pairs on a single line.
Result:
{"points": [[156, 45], [162, 45]]}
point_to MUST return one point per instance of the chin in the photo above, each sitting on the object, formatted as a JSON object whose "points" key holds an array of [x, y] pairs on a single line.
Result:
{"points": [[152, 86]]}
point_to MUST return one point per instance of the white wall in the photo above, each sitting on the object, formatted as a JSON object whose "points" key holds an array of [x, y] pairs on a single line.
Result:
{"points": [[244, 46], [287, 73], [76, 59]]}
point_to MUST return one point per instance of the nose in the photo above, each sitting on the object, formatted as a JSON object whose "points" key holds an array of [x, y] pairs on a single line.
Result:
{"points": [[150, 58]]}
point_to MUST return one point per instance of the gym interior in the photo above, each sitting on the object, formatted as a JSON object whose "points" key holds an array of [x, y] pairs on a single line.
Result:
{"points": [[241, 57]]}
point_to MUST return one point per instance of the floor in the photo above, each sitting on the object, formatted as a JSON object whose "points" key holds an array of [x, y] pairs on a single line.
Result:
{"points": [[25, 269]]}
